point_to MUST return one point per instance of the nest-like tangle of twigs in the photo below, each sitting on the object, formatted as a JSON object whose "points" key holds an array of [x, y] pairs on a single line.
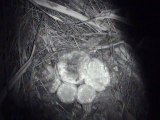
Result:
{"points": [[46, 34]]}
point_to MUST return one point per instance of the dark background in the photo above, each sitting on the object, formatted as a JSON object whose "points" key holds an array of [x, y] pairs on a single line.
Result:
{"points": [[143, 36], [145, 17]]}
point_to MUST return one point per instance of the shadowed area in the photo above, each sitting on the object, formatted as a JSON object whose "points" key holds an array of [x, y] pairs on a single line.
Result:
{"points": [[123, 99]]}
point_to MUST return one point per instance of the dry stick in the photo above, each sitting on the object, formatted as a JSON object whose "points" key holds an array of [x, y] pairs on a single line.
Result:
{"points": [[21, 71], [108, 46], [76, 43]]}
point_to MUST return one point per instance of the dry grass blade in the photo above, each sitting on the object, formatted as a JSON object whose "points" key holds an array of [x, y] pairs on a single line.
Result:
{"points": [[108, 46], [67, 11], [111, 16], [16, 77], [21, 71], [48, 14]]}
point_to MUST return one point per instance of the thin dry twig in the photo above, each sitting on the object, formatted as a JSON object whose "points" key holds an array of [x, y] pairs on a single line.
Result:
{"points": [[108, 46]]}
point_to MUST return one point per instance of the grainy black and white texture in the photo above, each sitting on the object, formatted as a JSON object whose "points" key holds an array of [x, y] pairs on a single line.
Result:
{"points": [[55, 34]]}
